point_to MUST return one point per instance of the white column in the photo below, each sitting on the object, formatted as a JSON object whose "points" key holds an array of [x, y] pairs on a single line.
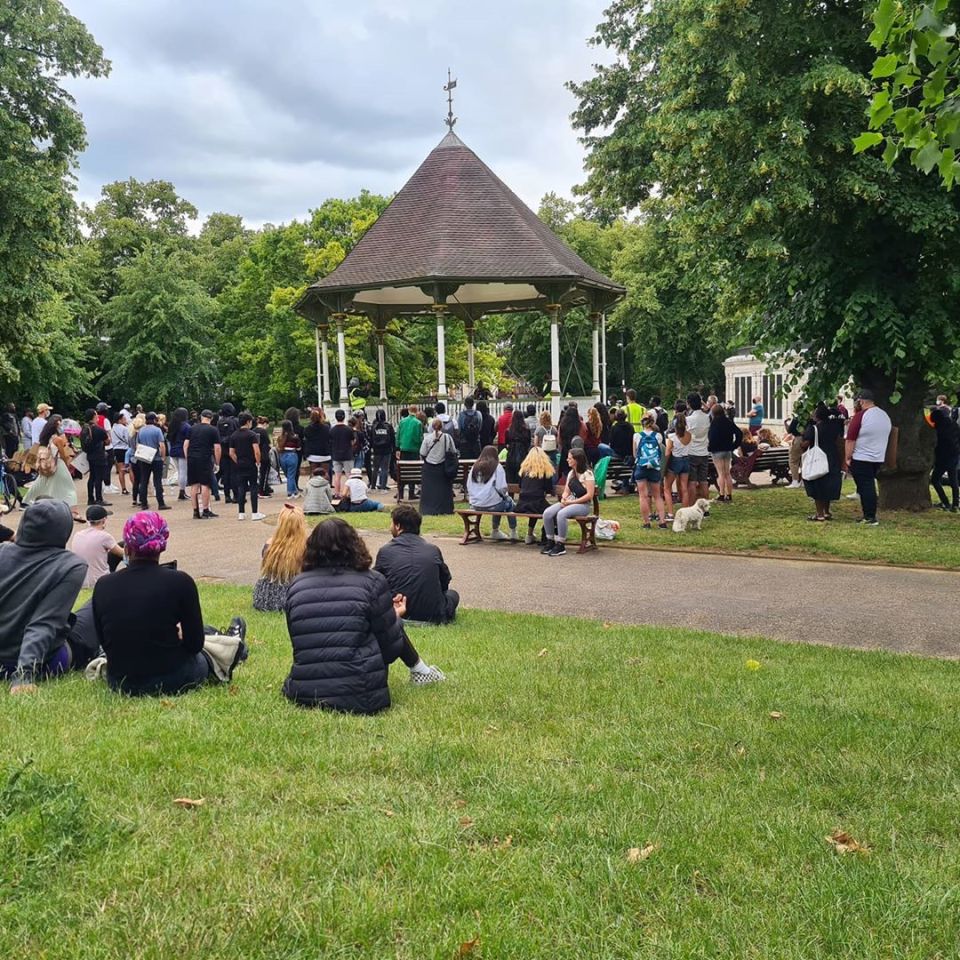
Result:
{"points": [[471, 360], [342, 358], [382, 366], [554, 310], [319, 369], [441, 356], [603, 345], [595, 389], [325, 365]]}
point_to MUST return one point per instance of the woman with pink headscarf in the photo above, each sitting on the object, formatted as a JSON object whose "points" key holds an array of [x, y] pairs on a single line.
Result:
{"points": [[149, 623]]}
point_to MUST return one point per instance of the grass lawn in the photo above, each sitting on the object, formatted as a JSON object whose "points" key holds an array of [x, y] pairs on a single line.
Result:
{"points": [[500, 807], [768, 521]]}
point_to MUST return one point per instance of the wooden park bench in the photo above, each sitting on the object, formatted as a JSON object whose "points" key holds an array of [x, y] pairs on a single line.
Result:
{"points": [[411, 472], [776, 460], [588, 524]]}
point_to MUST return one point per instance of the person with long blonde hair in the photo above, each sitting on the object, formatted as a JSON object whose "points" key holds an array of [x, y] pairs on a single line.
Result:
{"points": [[537, 481], [282, 559]]}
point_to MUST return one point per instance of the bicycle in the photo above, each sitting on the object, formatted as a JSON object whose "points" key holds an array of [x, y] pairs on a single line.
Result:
{"points": [[9, 491]]}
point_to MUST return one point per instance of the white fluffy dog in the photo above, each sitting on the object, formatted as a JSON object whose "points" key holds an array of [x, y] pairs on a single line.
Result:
{"points": [[690, 516]]}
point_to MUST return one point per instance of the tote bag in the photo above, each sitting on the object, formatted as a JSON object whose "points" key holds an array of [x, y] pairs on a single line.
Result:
{"points": [[814, 463], [144, 453]]}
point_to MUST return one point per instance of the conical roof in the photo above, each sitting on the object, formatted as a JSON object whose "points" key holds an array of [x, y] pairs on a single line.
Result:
{"points": [[457, 224]]}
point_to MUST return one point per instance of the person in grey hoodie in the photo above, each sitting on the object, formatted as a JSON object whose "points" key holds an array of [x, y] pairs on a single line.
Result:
{"points": [[316, 498], [39, 583]]}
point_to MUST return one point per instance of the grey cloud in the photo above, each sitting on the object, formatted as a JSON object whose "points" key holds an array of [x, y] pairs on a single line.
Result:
{"points": [[267, 109]]}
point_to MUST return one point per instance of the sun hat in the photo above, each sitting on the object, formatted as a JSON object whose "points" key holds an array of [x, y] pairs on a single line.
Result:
{"points": [[356, 472]]}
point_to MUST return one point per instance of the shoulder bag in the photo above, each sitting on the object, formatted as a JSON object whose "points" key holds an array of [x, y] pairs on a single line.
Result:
{"points": [[814, 463]]}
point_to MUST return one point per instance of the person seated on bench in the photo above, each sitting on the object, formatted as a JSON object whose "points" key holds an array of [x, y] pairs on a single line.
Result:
{"points": [[148, 621], [537, 480], [576, 501], [488, 492], [416, 569], [345, 628], [39, 583]]}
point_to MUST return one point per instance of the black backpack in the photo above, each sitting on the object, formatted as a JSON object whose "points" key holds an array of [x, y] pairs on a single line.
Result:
{"points": [[381, 435], [471, 428], [663, 421]]}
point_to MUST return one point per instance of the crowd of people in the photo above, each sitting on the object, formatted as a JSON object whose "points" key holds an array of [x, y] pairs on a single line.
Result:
{"points": [[345, 612]]}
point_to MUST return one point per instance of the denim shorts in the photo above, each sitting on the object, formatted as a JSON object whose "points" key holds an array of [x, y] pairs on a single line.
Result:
{"points": [[722, 455], [678, 466], [648, 474]]}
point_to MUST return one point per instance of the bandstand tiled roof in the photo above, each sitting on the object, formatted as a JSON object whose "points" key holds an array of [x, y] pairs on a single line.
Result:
{"points": [[457, 228]]}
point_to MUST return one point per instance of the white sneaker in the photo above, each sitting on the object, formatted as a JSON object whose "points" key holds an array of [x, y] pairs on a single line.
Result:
{"points": [[113, 489], [794, 485], [433, 675], [852, 496], [513, 536], [258, 516], [241, 516], [528, 539], [498, 535]]}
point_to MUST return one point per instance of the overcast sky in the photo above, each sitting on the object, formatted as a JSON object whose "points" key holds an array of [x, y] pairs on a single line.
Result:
{"points": [[267, 107]]}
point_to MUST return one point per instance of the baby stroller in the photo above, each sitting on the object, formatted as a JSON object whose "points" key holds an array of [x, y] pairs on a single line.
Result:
{"points": [[10, 482]]}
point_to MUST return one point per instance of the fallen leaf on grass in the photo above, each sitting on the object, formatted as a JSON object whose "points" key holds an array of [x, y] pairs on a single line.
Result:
{"points": [[167, 704], [543, 652], [459, 803], [188, 803], [468, 946], [465, 822], [607, 626], [776, 715], [504, 844], [844, 843], [387, 812], [636, 854], [233, 689]]}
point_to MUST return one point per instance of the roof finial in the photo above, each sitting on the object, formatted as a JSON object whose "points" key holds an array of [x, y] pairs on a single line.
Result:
{"points": [[449, 86]]}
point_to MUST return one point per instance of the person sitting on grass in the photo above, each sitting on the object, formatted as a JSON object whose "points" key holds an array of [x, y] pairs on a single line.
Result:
{"points": [[416, 570], [345, 628], [101, 553], [148, 621], [317, 498], [537, 480], [355, 493], [282, 557], [575, 502], [39, 583], [487, 491]]}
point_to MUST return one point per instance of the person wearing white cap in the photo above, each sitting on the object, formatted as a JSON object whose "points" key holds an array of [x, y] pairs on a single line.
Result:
{"points": [[357, 493]]}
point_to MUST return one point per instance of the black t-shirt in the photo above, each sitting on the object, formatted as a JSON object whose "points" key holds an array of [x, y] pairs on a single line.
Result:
{"points": [[264, 434], [243, 442], [94, 441], [341, 442], [203, 438]]}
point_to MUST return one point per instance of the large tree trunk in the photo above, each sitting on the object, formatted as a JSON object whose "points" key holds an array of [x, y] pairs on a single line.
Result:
{"points": [[908, 486]]}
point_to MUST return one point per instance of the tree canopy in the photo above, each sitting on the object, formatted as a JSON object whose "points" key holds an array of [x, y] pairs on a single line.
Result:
{"points": [[41, 134], [732, 122]]}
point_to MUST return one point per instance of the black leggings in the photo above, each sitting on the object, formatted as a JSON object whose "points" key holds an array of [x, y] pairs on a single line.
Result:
{"points": [[952, 478], [408, 653], [95, 480]]}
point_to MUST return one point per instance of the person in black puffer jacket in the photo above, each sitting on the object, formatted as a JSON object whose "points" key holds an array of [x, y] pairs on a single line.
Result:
{"points": [[345, 627]]}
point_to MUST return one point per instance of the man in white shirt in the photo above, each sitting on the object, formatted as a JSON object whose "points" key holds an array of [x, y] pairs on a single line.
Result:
{"points": [[698, 423], [866, 451], [39, 421], [357, 493]]}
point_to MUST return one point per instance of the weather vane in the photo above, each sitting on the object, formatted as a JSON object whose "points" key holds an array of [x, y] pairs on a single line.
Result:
{"points": [[449, 87]]}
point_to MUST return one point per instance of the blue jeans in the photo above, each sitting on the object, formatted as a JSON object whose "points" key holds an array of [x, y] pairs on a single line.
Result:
{"points": [[366, 506], [506, 505], [288, 462]]}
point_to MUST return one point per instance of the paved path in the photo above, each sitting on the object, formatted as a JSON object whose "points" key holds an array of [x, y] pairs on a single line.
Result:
{"points": [[869, 607]]}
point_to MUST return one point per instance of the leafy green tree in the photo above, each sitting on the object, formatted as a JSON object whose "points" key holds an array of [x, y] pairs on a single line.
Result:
{"points": [[916, 103], [163, 326], [41, 134], [734, 120]]}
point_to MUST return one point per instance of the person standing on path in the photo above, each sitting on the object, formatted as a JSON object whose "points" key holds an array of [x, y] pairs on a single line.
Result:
{"points": [[245, 454], [866, 450], [26, 429], [39, 422], [383, 440], [151, 435], [409, 438], [228, 426], [634, 411], [93, 440], [698, 452], [202, 451], [946, 457]]}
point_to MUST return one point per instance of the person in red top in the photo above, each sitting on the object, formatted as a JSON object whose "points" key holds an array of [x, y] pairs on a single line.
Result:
{"points": [[503, 424]]}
